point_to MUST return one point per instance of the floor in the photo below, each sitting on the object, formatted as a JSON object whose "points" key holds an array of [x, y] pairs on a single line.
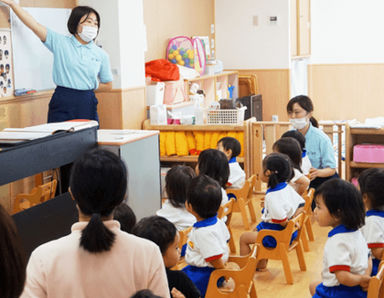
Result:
{"points": [[272, 282]]}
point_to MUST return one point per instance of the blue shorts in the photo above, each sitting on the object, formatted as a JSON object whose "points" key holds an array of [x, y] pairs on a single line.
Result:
{"points": [[269, 241], [375, 266], [68, 104], [199, 276], [340, 291]]}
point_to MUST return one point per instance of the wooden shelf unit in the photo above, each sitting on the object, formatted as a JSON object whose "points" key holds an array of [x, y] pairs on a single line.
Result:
{"points": [[354, 136]]}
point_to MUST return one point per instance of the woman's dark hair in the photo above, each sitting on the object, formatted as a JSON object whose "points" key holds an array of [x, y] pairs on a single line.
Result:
{"points": [[371, 183], [214, 163], [125, 216], [177, 182], [306, 103], [98, 184], [290, 147], [77, 13], [157, 229], [297, 135], [12, 258], [280, 168], [231, 143], [145, 294], [343, 201], [205, 196]]}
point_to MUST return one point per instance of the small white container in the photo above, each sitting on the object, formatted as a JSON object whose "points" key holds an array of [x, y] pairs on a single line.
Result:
{"points": [[158, 115], [155, 94]]}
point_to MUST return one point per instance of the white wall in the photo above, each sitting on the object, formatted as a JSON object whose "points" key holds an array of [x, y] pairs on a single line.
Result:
{"points": [[121, 36], [241, 45], [347, 31]]}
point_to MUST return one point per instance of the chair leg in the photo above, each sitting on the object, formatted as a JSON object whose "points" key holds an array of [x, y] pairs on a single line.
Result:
{"points": [[251, 210], [286, 265], [308, 226], [243, 212], [300, 256], [253, 293], [304, 239]]}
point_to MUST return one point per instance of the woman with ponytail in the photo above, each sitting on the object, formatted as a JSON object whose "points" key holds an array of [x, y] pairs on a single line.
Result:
{"points": [[317, 144], [281, 203], [97, 259]]}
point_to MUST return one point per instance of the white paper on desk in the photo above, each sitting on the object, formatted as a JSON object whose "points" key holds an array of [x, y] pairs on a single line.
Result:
{"points": [[11, 135], [52, 127]]}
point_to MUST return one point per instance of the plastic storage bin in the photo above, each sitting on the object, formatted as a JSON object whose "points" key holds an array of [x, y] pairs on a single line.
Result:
{"points": [[371, 153]]}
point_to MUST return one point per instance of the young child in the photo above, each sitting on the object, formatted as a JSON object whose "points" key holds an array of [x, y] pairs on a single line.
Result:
{"points": [[207, 247], [306, 163], [232, 148], [281, 202], [291, 147], [214, 163], [161, 231], [125, 216], [371, 183], [177, 182], [345, 262]]}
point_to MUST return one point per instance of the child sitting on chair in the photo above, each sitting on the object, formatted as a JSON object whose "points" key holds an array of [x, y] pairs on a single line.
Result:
{"points": [[281, 203], [161, 231], [371, 183], [232, 148], [207, 247]]}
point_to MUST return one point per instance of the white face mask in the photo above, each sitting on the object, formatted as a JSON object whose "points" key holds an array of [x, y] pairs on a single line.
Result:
{"points": [[88, 34], [299, 123]]}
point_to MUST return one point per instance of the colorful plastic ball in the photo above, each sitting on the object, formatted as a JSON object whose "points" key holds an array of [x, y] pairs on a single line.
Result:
{"points": [[187, 61], [176, 52], [174, 47], [179, 58], [174, 61], [181, 62], [170, 56], [190, 55], [171, 51], [185, 56], [181, 52]]}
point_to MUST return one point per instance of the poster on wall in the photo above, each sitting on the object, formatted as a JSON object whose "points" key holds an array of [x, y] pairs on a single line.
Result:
{"points": [[6, 65]]}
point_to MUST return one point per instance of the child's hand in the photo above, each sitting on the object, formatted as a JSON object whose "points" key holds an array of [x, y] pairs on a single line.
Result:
{"points": [[176, 293], [364, 281]]}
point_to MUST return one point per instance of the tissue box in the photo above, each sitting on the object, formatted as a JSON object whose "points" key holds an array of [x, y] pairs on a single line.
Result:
{"points": [[372, 153]]}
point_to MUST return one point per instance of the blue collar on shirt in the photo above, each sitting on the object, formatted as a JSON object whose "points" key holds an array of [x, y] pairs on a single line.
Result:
{"points": [[304, 153], [339, 229], [279, 186], [232, 160], [375, 213], [78, 44], [210, 221]]}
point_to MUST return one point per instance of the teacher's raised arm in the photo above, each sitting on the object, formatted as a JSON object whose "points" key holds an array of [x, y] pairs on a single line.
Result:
{"points": [[79, 66]]}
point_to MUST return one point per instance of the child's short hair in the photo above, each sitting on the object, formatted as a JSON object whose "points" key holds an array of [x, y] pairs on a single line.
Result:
{"points": [[280, 167], [214, 163], [371, 183], [343, 201], [290, 147], [157, 229], [296, 135], [125, 216], [145, 294], [231, 143], [205, 196], [177, 182]]}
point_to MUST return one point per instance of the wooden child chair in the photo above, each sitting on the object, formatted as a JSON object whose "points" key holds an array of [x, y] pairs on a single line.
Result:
{"points": [[38, 194], [243, 277], [226, 210], [244, 199], [283, 239], [182, 241], [307, 226], [376, 288]]}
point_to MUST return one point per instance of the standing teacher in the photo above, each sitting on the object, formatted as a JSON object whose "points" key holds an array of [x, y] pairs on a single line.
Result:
{"points": [[79, 65], [317, 144]]}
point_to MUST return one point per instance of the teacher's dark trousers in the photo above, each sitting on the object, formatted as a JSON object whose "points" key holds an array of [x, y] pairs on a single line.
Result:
{"points": [[68, 104]]}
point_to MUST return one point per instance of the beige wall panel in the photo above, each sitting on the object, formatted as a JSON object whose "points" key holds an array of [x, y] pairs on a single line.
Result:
{"points": [[168, 18], [109, 109], [274, 87], [346, 91], [134, 109], [49, 3]]}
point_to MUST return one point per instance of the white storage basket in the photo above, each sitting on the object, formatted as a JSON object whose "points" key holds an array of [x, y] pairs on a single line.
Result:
{"points": [[235, 116]]}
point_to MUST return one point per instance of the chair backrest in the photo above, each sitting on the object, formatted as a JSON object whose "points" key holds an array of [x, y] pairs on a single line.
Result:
{"points": [[183, 237], [308, 197], [252, 182], [48, 190], [293, 225], [376, 288], [240, 192], [226, 209]]}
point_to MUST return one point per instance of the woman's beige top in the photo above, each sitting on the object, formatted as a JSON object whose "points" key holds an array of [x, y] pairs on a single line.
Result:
{"points": [[61, 268]]}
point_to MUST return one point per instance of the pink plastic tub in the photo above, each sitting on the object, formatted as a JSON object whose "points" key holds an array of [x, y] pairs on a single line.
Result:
{"points": [[368, 153]]}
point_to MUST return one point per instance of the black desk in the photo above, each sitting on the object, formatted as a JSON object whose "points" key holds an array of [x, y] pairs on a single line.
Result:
{"points": [[33, 157]]}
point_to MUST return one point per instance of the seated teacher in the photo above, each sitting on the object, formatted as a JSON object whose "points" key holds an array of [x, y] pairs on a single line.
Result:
{"points": [[79, 64], [317, 143]]}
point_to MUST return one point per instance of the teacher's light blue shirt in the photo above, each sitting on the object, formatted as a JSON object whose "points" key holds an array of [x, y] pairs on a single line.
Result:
{"points": [[319, 149], [75, 65]]}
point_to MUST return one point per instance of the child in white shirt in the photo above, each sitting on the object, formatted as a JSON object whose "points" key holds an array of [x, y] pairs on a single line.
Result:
{"points": [[232, 148], [346, 261], [371, 183], [207, 247]]}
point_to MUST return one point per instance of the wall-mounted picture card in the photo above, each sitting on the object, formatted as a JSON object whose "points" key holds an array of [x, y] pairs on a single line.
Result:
{"points": [[6, 63]]}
